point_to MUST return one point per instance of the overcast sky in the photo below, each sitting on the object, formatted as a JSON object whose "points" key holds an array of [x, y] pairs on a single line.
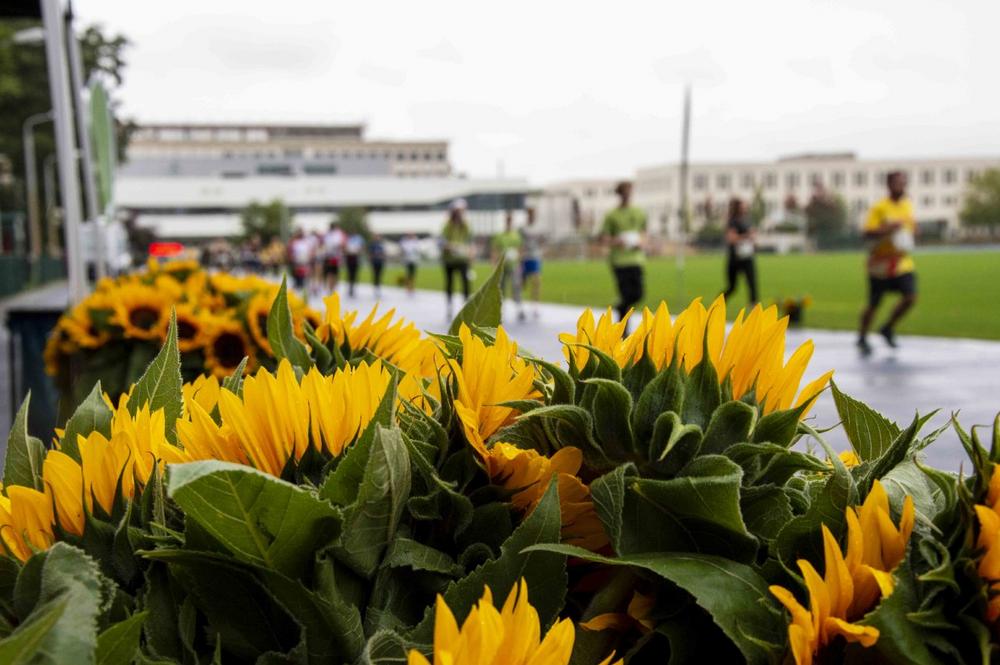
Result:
{"points": [[579, 89]]}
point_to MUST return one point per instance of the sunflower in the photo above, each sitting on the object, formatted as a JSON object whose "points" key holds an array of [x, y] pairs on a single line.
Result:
{"points": [[605, 335], [275, 416], [26, 520], [510, 636], [142, 312], [399, 341], [989, 543], [63, 479], [226, 345], [258, 308], [191, 333], [487, 377], [342, 405], [201, 437], [528, 473], [751, 357], [852, 584], [80, 328]]}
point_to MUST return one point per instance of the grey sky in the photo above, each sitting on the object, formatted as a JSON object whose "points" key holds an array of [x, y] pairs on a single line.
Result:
{"points": [[575, 89]]}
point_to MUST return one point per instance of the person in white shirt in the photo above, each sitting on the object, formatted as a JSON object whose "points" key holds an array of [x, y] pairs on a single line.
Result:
{"points": [[409, 247], [333, 249]]}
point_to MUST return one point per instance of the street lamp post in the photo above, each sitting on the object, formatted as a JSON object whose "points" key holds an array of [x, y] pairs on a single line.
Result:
{"points": [[31, 186]]}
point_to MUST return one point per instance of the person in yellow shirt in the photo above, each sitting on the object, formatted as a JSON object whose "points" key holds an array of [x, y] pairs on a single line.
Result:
{"points": [[890, 229]]}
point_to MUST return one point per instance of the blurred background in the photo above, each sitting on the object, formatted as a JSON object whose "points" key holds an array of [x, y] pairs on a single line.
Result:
{"points": [[216, 129]]}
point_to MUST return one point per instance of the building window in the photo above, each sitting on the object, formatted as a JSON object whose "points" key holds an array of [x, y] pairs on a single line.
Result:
{"points": [[860, 205], [950, 201], [722, 181], [791, 180], [770, 180], [927, 201], [816, 179], [274, 169], [838, 179], [860, 178], [970, 175], [950, 176], [747, 181], [927, 177], [700, 181]]}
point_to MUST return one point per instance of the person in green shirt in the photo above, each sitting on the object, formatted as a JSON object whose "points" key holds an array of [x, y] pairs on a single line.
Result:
{"points": [[507, 245], [456, 249], [624, 232]]}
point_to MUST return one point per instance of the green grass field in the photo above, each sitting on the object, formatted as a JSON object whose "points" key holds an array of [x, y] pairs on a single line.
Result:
{"points": [[959, 290]]}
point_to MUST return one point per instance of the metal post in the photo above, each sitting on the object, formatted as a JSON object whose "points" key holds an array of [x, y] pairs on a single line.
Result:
{"points": [[685, 209], [31, 188], [69, 183], [86, 149]]}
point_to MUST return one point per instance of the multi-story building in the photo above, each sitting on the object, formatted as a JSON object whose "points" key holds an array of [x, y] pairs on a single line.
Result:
{"points": [[239, 151], [574, 206], [936, 186], [192, 181]]}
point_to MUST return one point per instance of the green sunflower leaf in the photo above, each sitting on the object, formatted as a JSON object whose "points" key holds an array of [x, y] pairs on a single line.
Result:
{"points": [[160, 384], [25, 453], [485, 307], [93, 415], [281, 332]]}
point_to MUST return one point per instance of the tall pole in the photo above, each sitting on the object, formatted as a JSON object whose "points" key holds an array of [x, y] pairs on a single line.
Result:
{"points": [[86, 150], [31, 188], [62, 108], [683, 184]]}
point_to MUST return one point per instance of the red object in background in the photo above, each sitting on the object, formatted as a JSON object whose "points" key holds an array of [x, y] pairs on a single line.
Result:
{"points": [[165, 249]]}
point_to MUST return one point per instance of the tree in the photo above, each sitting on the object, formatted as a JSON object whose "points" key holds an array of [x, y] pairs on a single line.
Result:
{"points": [[264, 220], [24, 85], [826, 216], [353, 220], [982, 200]]}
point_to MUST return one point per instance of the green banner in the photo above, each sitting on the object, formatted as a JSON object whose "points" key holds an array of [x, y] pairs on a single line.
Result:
{"points": [[102, 137]]}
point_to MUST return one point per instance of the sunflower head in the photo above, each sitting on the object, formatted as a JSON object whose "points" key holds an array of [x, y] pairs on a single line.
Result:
{"points": [[142, 312], [258, 308], [511, 635], [226, 345], [191, 328]]}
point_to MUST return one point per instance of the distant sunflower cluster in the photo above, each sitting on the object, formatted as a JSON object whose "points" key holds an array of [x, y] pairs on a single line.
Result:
{"points": [[114, 332]]}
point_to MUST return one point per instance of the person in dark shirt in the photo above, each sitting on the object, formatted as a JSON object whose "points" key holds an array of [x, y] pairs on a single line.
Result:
{"points": [[741, 246], [376, 257]]}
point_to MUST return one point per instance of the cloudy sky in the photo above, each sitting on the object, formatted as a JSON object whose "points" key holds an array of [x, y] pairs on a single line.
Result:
{"points": [[553, 90]]}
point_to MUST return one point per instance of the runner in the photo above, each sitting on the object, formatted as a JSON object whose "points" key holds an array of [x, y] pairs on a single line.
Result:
{"points": [[624, 232], [333, 249], [891, 227], [353, 246], [507, 245], [531, 263], [456, 250], [376, 257], [409, 247], [740, 239]]}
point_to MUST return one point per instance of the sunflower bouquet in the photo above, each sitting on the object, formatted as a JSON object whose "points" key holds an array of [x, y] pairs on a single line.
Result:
{"points": [[380, 495], [115, 332]]}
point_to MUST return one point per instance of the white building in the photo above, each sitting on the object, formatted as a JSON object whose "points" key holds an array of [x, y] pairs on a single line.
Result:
{"points": [[936, 186], [575, 206], [191, 181]]}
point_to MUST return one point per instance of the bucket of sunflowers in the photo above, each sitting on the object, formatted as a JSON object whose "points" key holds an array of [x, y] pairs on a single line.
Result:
{"points": [[114, 333], [379, 495]]}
